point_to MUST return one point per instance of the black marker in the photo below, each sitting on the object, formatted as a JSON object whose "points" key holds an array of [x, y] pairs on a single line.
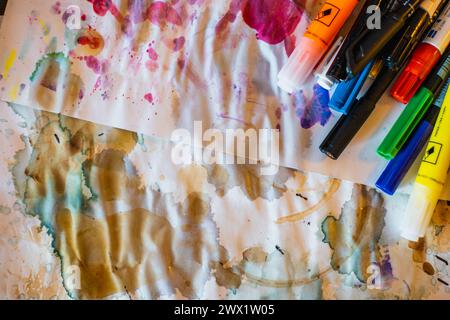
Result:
{"points": [[348, 125], [3, 6], [371, 42], [338, 69]]}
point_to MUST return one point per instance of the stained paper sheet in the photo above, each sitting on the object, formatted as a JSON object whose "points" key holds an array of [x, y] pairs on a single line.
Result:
{"points": [[89, 211], [153, 67], [92, 212]]}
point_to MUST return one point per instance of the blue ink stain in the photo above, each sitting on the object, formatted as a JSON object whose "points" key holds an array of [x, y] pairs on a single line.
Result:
{"points": [[316, 110]]}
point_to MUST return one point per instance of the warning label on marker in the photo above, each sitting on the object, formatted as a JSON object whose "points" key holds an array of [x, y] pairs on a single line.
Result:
{"points": [[328, 13], [433, 152]]}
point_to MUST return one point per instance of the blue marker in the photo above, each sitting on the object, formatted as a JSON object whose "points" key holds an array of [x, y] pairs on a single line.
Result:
{"points": [[398, 167], [346, 92]]}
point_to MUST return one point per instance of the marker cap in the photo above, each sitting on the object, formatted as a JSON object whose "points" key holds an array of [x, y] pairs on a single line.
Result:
{"points": [[347, 92], [405, 124], [300, 65], [422, 62], [398, 167], [420, 209]]}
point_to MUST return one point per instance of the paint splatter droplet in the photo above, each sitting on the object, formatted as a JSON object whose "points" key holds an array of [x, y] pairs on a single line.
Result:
{"points": [[56, 8], [149, 97], [428, 268], [96, 65], [152, 54]]}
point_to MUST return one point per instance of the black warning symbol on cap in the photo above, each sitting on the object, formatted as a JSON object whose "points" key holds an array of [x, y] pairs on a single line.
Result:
{"points": [[327, 14], [433, 152]]}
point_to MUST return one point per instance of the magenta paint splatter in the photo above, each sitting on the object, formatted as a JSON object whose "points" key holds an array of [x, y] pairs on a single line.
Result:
{"points": [[316, 110], [152, 54], [161, 13], [178, 43], [99, 67], [274, 20], [101, 7], [149, 97]]}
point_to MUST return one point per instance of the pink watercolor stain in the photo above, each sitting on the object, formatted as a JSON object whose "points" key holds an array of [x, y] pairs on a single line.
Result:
{"points": [[56, 8], [274, 20], [152, 66], [149, 97]]}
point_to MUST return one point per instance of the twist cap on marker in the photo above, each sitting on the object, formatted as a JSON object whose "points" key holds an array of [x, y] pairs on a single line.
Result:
{"points": [[421, 206], [300, 65], [423, 60]]}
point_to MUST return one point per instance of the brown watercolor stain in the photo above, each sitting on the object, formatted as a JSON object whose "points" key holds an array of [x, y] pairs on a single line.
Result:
{"points": [[354, 237], [258, 256], [255, 255], [441, 217], [333, 187], [117, 252], [45, 87], [248, 178], [112, 254], [419, 250]]}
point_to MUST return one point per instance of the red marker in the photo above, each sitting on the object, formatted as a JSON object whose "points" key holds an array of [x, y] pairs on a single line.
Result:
{"points": [[424, 58]]}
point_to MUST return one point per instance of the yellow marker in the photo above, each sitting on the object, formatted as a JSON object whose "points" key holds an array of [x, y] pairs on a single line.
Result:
{"points": [[9, 63], [431, 177]]}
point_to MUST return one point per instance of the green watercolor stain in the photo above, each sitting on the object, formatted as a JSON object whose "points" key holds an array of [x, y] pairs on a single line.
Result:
{"points": [[45, 60]]}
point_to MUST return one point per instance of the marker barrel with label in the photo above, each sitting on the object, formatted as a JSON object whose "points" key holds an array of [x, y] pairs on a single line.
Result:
{"points": [[424, 58], [315, 43], [431, 178]]}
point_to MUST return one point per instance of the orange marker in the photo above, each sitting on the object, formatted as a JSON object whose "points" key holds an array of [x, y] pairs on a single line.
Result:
{"points": [[318, 38]]}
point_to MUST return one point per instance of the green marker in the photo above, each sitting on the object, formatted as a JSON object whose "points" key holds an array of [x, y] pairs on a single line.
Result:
{"points": [[415, 110]]}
